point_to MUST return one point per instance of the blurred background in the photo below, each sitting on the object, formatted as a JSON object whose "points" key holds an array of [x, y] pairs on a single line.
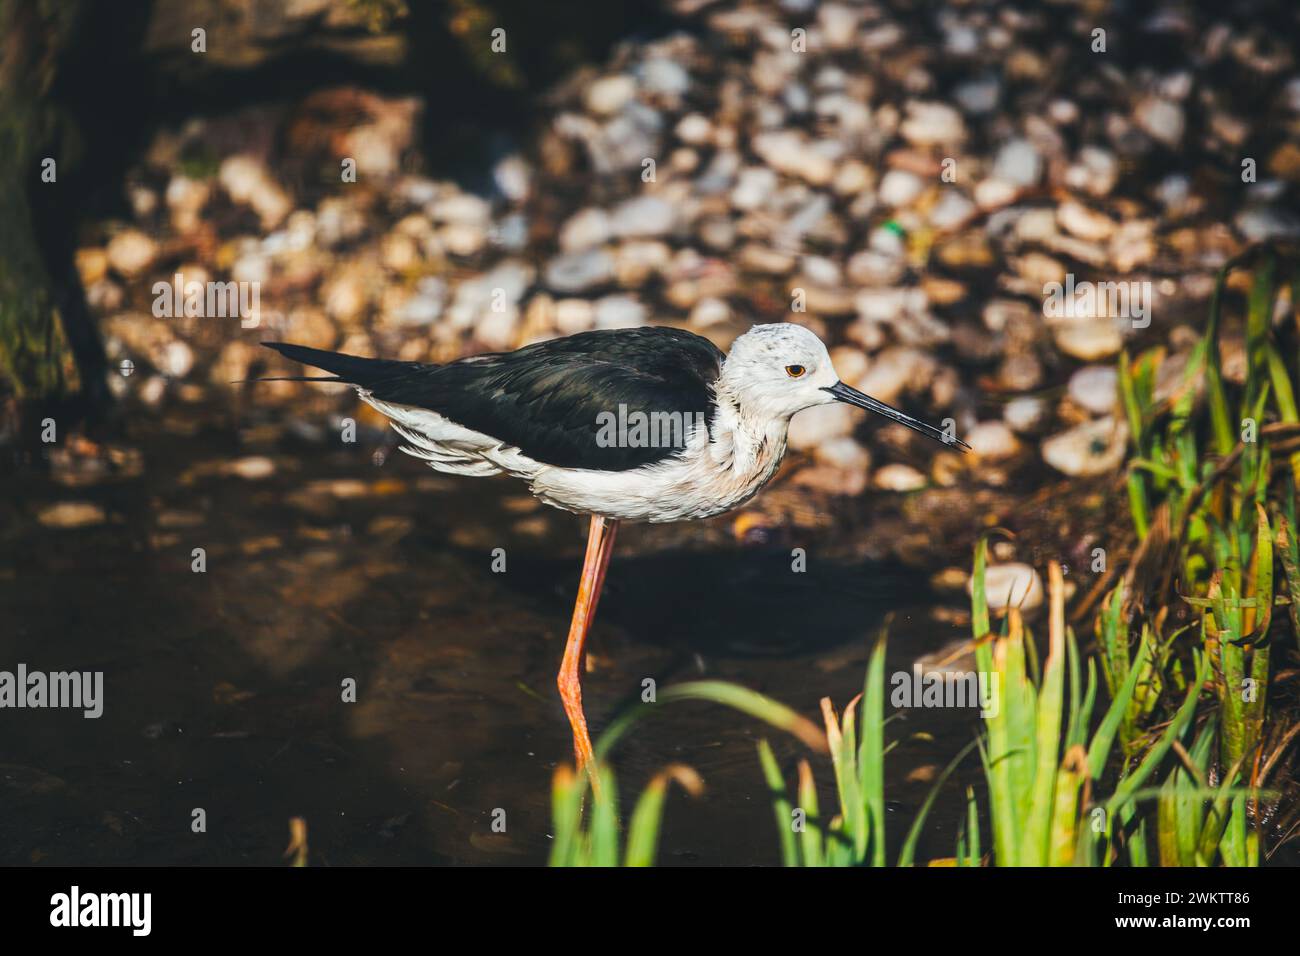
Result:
{"points": [[430, 180]]}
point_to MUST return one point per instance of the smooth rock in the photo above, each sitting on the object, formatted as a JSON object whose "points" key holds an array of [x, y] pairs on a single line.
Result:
{"points": [[900, 188], [820, 423], [843, 453], [620, 312], [1017, 162], [790, 153], [584, 229], [754, 187], [1093, 448], [246, 180], [1088, 339], [71, 514], [1161, 119], [899, 477], [609, 94], [952, 211], [1077, 219], [1025, 414], [992, 441], [710, 311], [644, 217], [932, 124], [1095, 388], [131, 252], [1010, 585], [577, 271]]}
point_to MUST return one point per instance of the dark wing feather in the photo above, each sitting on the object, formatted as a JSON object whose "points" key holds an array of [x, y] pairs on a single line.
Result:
{"points": [[546, 399]]}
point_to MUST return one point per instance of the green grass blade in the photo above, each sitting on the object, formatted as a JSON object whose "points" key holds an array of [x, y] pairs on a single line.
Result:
{"points": [[780, 804]]}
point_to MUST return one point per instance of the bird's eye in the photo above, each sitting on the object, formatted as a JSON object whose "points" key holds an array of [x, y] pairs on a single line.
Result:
{"points": [[795, 371]]}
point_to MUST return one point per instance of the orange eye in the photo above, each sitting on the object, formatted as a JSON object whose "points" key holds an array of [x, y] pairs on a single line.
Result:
{"points": [[795, 371]]}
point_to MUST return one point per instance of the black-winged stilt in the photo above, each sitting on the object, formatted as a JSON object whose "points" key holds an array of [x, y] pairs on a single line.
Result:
{"points": [[647, 424]]}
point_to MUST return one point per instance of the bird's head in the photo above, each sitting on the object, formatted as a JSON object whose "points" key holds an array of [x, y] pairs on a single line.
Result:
{"points": [[774, 371]]}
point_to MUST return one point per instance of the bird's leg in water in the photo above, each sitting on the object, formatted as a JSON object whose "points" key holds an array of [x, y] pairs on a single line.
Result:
{"points": [[600, 542]]}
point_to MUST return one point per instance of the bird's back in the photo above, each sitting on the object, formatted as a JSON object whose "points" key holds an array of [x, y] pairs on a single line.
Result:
{"points": [[550, 399]]}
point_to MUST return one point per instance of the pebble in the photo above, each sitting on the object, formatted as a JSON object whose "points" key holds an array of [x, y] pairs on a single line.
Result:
{"points": [[1162, 119], [790, 153], [843, 453], [186, 199], [609, 94], [131, 253], [576, 272], [642, 218], [1010, 585], [92, 265], [1077, 219], [620, 312], [899, 477], [897, 369], [246, 180], [710, 312], [694, 128], [1096, 172], [1026, 414], [1265, 223], [932, 124], [1095, 388], [900, 188], [1088, 339], [584, 229], [1093, 448], [995, 193], [514, 177], [952, 211], [819, 424], [71, 514], [574, 315], [1018, 164], [992, 441], [251, 468]]}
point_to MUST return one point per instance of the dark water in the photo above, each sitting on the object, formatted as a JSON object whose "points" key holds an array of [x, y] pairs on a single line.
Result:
{"points": [[223, 688]]}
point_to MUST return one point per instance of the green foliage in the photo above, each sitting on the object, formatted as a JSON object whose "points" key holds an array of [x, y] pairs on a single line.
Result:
{"points": [[1203, 468], [855, 836]]}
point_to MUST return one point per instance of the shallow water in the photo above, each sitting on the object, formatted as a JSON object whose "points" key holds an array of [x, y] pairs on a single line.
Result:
{"points": [[223, 688]]}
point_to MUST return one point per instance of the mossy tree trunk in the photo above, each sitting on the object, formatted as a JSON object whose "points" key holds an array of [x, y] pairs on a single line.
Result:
{"points": [[41, 358]]}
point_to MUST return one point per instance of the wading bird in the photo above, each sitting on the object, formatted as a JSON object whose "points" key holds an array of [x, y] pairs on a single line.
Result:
{"points": [[553, 413]]}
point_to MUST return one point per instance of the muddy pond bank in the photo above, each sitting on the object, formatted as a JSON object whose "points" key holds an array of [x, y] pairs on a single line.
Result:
{"points": [[223, 688]]}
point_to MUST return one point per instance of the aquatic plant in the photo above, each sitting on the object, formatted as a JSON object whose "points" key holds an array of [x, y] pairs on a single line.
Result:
{"points": [[1212, 495]]}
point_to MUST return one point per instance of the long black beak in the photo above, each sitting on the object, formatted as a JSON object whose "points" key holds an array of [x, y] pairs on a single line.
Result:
{"points": [[851, 396]]}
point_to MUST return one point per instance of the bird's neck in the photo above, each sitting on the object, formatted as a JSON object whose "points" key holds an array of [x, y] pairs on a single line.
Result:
{"points": [[744, 440]]}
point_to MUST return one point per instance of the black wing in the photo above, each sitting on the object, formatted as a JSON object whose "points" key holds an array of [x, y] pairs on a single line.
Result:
{"points": [[548, 399]]}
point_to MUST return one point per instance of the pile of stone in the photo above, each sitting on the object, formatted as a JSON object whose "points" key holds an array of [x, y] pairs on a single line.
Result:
{"points": [[977, 207]]}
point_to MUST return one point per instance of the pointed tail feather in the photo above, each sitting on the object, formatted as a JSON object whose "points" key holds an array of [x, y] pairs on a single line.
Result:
{"points": [[352, 369]]}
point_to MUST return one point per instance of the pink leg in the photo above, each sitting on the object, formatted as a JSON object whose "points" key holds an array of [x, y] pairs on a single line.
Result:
{"points": [[600, 543]]}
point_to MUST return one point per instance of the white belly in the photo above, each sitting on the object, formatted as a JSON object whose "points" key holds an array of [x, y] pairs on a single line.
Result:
{"points": [[713, 473], [703, 482]]}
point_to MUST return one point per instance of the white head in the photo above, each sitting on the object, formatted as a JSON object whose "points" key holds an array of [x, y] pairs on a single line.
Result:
{"points": [[774, 371]]}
